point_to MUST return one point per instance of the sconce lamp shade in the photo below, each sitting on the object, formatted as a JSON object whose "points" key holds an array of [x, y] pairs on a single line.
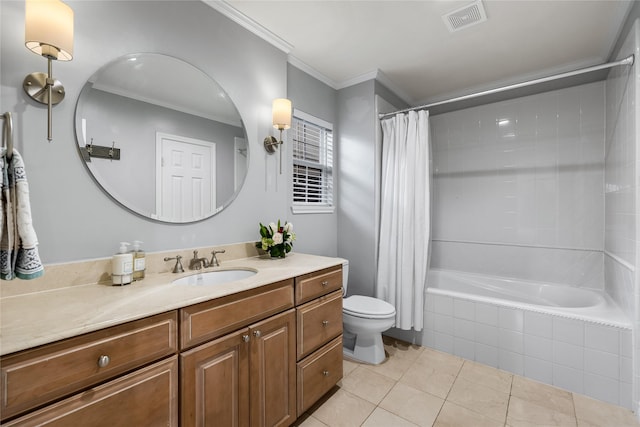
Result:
{"points": [[49, 29], [281, 113]]}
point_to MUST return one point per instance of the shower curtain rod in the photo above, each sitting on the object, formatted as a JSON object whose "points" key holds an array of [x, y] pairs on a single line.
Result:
{"points": [[626, 61]]}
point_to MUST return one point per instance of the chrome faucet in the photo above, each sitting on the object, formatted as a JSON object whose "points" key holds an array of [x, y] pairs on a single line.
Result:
{"points": [[178, 267], [198, 263], [214, 260]]}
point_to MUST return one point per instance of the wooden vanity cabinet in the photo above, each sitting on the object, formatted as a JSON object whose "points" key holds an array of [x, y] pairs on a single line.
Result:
{"points": [[146, 397], [260, 357], [39, 376], [319, 330], [246, 377]]}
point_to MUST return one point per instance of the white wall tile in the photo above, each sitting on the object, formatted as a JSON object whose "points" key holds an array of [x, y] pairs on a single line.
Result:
{"points": [[487, 313], [602, 388], [539, 370], [443, 342], [511, 319], [486, 354], [568, 355], [538, 324], [511, 362], [568, 378], [464, 329], [600, 337], [512, 341], [602, 363], [568, 330], [464, 348], [443, 324], [443, 305], [538, 347], [463, 309], [487, 334]]}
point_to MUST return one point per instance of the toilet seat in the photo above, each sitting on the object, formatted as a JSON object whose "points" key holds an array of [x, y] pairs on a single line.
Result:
{"points": [[367, 307]]}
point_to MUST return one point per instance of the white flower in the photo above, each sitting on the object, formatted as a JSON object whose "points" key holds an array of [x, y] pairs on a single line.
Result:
{"points": [[288, 227], [273, 227], [277, 238]]}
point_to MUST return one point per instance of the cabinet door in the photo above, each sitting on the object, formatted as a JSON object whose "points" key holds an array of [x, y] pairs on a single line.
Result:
{"points": [[273, 370], [146, 397], [215, 384]]}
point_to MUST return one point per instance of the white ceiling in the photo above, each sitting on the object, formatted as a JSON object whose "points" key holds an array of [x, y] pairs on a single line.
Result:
{"points": [[407, 45]]}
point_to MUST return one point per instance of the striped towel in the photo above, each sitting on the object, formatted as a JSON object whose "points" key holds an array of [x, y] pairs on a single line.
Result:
{"points": [[18, 241]]}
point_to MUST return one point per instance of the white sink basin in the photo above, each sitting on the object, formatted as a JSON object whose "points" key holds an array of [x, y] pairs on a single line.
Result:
{"points": [[214, 277]]}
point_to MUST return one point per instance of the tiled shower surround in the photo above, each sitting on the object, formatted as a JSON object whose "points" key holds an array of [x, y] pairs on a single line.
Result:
{"points": [[542, 188]]}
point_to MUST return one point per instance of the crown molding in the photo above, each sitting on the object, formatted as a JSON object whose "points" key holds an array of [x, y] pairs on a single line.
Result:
{"points": [[296, 62], [389, 84], [244, 21]]}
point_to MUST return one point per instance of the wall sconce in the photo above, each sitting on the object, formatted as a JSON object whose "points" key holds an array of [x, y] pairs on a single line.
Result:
{"points": [[48, 32], [281, 121]]}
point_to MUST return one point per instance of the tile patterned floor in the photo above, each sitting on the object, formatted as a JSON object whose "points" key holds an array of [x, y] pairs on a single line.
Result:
{"points": [[418, 386]]}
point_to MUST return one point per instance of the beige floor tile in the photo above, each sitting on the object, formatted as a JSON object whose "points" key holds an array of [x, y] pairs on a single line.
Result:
{"points": [[543, 395], [591, 412], [412, 404], [343, 409], [523, 413], [453, 415], [382, 418], [308, 421], [479, 398], [394, 367], [367, 384], [400, 349], [348, 366], [487, 376], [433, 372]]}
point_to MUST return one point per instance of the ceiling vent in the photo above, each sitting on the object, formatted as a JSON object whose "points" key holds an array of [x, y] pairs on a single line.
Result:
{"points": [[465, 17]]}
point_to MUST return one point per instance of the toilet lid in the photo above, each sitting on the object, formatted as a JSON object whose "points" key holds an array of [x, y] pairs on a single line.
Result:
{"points": [[362, 306]]}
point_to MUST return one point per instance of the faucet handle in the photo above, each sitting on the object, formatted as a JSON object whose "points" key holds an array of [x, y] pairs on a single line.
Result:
{"points": [[178, 267], [214, 259]]}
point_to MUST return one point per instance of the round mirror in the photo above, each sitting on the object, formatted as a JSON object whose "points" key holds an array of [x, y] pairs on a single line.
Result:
{"points": [[162, 138]]}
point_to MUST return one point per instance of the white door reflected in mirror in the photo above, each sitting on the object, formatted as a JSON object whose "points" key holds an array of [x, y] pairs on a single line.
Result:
{"points": [[186, 185]]}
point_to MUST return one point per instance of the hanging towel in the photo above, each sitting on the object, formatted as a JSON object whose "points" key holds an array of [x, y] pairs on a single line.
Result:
{"points": [[18, 241]]}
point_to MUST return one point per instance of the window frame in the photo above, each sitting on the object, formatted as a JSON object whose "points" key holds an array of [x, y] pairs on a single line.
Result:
{"points": [[306, 207]]}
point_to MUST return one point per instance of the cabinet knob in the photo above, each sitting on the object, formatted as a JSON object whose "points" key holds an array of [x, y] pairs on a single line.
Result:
{"points": [[325, 283], [325, 373], [257, 334], [103, 361], [325, 323], [245, 338]]}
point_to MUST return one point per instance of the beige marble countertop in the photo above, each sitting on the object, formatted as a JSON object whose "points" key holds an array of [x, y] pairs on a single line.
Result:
{"points": [[37, 318]]}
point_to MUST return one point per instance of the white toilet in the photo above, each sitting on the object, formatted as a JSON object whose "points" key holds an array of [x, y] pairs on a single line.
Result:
{"points": [[364, 319]]}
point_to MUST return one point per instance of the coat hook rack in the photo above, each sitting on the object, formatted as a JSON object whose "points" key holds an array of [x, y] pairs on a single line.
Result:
{"points": [[100, 151]]}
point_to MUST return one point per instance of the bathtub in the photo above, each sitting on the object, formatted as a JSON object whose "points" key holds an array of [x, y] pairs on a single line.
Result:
{"points": [[569, 337]]}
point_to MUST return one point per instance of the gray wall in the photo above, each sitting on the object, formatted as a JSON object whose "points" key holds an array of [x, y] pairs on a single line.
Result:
{"points": [[315, 232], [74, 219], [356, 199]]}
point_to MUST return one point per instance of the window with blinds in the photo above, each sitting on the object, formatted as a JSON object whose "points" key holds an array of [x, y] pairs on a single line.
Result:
{"points": [[312, 141]]}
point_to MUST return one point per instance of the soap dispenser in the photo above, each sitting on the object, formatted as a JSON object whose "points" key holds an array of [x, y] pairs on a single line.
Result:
{"points": [[139, 263], [122, 266]]}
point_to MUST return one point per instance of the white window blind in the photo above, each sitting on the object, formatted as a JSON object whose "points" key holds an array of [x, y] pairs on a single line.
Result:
{"points": [[312, 164]]}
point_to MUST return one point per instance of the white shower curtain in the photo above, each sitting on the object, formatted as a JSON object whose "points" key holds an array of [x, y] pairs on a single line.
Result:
{"points": [[403, 253]]}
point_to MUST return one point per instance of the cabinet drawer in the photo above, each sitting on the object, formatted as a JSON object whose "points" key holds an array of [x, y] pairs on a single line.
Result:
{"points": [[35, 377], [318, 373], [212, 319], [313, 285], [318, 322], [146, 397]]}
